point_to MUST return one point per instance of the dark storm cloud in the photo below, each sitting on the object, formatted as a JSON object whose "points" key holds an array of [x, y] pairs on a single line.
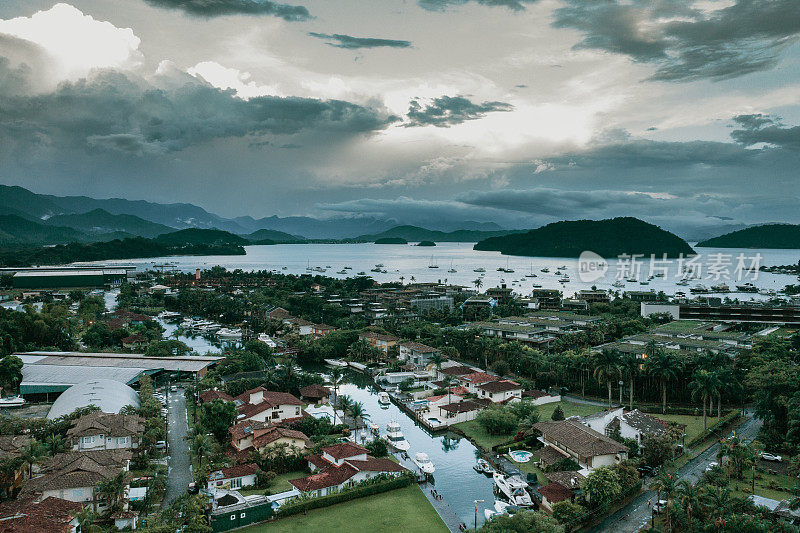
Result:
{"points": [[449, 111], [349, 42], [112, 111], [216, 8], [685, 43], [759, 128], [441, 5]]}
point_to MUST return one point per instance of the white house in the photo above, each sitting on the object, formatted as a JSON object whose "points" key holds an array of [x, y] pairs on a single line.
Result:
{"points": [[500, 391], [631, 425], [262, 405], [589, 448], [233, 477], [103, 431], [416, 353]]}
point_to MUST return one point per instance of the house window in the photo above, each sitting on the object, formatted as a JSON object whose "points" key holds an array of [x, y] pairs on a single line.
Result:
{"points": [[241, 515], [122, 440], [87, 441], [77, 495], [297, 411], [276, 415], [236, 483]]}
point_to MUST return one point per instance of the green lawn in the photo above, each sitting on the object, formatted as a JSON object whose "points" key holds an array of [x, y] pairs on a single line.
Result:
{"points": [[279, 484], [399, 510], [694, 424], [772, 486], [484, 441]]}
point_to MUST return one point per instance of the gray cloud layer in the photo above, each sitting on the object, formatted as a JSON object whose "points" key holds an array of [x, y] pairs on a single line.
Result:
{"points": [[441, 5], [450, 110], [759, 128], [683, 42], [349, 42], [216, 8], [114, 111]]}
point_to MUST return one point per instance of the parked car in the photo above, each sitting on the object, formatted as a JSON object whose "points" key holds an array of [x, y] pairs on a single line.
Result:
{"points": [[659, 506], [711, 466], [192, 488], [160, 445], [174, 388], [771, 457], [646, 471]]}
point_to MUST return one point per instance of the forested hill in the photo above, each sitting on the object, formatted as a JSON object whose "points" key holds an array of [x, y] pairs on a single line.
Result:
{"points": [[416, 234], [766, 236], [609, 238]]}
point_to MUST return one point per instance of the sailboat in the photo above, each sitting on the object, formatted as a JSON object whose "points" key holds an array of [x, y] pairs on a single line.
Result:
{"points": [[433, 264], [531, 274], [452, 270], [509, 270]]}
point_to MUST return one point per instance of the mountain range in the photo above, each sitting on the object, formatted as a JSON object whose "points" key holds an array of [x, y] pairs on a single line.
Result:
{"points": [[113, 216], [784, 236]]}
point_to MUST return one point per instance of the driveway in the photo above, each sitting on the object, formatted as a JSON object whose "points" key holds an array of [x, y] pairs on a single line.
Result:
{"points": [[178, 462], [634, 516]]}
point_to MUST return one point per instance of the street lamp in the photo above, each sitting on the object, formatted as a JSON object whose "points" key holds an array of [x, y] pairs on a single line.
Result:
{"points": [[476, 513], [621, 383]]}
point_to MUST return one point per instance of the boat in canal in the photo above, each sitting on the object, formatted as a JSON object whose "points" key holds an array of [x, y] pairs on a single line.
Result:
{"points": [[500, 508], [423, 462], [12, 401], [383, 398], [513, 488], [483, 467], [395, 437], [335, 362]]}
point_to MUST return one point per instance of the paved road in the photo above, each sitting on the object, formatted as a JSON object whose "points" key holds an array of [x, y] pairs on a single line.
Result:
{"points": [[634, 516], [179, 464]]}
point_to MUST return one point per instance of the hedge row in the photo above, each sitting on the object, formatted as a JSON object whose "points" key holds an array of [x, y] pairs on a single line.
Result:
{"points": [[725, 420], [300, 506]]}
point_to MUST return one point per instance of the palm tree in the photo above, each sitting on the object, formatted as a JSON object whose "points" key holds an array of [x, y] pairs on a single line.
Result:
{"points": [[478, 283], [203, 447], [718, 502], [402, 278], [689, 496], [629, 367], [345, 403], [85, 517], [666, 484], [437, 359], [665, 367], [31, 454], [112, 490], [449, 381], [336, 378], [54, 444], [358, 413], [606, 369], [704, 386]]}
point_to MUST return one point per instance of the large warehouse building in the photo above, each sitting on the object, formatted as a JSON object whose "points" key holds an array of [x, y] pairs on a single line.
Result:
{"points": [[69, 277], [45, 375]]}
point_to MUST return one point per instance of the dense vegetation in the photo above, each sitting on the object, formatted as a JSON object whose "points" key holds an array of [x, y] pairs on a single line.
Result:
{"points": [[609, 238], [766, 236], [391, 240], [415, 233]]}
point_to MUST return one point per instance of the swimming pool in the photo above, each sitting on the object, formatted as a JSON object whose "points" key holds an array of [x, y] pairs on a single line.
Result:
{"points": [[521, 456]]}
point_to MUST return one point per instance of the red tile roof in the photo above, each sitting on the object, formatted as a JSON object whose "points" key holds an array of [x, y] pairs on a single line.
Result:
{"points": [[234, 471], [376, 464], [330, 477], [460, 370], [51, 515], [555, 492], [500, 386], [315, 391], [477, 378], [213, 394], [344, 450]]}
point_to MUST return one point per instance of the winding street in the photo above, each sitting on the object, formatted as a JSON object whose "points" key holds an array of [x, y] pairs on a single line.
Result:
{"points": [[635, 516]]}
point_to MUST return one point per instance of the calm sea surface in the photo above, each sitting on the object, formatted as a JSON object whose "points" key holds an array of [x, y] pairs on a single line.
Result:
{"points": [[412, 264]]}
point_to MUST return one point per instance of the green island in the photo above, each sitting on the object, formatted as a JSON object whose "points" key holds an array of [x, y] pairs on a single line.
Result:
{"points": [[391, 240], [426, 243], [609, 238], [781, 236]]}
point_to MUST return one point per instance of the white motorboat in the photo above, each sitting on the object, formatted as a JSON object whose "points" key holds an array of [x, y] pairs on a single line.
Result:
{"points": [[226, 333], [12, 401], [395, 437], [618, 283], [266, 339], [423, 462], [479, 269], [500, 508], [336, 362], [483, 467], [383, 398], [747, 287], [169, 315], [513, 488], [374, 428]]}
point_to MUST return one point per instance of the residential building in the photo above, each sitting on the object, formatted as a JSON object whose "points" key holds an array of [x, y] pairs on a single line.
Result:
{"points": [[547, 298], [589, 448], [103, 431], [593, 296], [425, 305], [257, 435], [320, 330], [379, 340], [50, 515], [416, 353], [302, 327], [630, 425], [233, 477], [457, 411], [500, 391], [315, 393], [11, 448], [341, 465], [262, 405], [472, 381]]}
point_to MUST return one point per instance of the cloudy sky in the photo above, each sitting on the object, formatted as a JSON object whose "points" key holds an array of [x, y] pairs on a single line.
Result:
{"points": [[521, 112]]}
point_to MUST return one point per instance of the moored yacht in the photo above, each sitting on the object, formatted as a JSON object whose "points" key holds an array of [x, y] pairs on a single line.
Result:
{"points": [[513, 488], [483, 467], [747, 287], [12, 401], [395, 437], [383, 398], [423, 462]]}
